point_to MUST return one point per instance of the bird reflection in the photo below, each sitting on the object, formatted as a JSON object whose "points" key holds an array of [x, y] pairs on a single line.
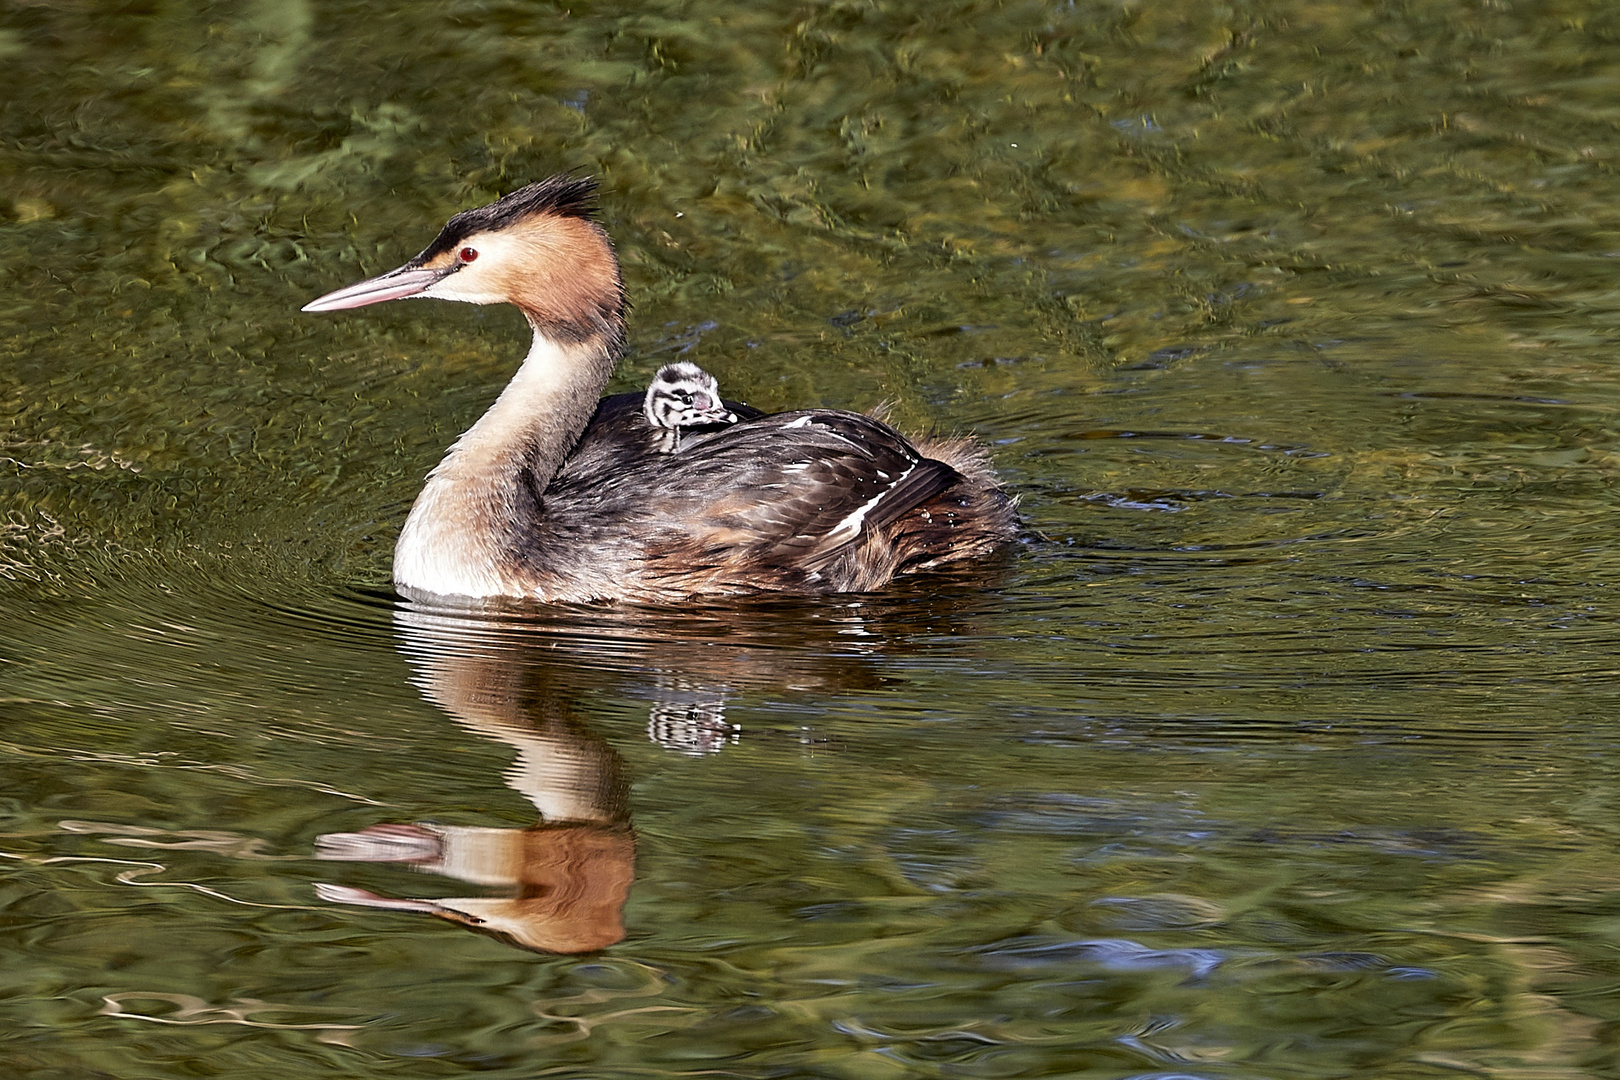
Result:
{"points": [[567, 878], [518, 677]]}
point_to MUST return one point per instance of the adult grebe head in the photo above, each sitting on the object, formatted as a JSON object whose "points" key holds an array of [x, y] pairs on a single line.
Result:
{"points": [[537, 248]]}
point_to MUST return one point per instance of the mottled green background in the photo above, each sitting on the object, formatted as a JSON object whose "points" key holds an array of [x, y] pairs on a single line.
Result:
{"points": [[1282, 746]]}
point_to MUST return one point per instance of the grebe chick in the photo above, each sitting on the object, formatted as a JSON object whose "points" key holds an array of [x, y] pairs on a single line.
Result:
{"points": [[683, 395], [546, 496]]}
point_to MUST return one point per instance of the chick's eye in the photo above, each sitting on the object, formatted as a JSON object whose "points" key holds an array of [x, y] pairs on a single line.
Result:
{"points": [[467, 254], [685, 396]]}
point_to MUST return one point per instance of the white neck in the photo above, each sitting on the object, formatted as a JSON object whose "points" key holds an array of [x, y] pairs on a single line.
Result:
{"points": [[459, 537]]}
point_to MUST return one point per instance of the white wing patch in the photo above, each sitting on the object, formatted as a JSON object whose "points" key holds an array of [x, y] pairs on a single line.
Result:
{"points": [[851, 525]]}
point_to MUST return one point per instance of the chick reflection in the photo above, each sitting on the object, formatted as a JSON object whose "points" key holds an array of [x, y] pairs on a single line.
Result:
{"points": [[691, 719], [566, 879]]}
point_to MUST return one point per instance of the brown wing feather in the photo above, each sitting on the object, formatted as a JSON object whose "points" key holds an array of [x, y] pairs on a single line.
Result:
{"points": [[815, 482], [799, 500]]}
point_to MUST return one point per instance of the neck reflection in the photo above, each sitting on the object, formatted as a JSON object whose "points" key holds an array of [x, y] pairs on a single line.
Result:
{"points": [[560, 886]]}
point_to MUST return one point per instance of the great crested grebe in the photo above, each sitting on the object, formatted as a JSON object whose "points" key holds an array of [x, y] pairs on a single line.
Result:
{"points": [[551, 495], [682, 395]]}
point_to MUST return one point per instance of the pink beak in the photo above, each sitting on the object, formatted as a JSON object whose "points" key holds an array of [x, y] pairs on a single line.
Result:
{"points": [[394, 285]]}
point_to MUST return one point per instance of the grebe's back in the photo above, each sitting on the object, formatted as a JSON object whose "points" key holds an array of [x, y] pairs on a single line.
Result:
{"points": [[811, 501]]}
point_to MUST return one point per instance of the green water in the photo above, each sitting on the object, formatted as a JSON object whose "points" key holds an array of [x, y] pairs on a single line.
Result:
{"points": [[1283, 745]]}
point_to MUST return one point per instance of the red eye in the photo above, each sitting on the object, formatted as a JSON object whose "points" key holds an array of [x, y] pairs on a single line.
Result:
{"points": [[467, 254]]}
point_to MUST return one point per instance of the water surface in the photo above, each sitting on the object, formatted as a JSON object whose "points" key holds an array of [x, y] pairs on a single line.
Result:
{"points": [[1283, 744]]}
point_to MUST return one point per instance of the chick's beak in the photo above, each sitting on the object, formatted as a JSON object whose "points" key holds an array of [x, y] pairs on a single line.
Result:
{"points": [[394, 285]]}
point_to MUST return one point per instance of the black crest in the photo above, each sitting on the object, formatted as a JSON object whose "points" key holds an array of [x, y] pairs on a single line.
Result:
{"points": [[561, 196]]}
